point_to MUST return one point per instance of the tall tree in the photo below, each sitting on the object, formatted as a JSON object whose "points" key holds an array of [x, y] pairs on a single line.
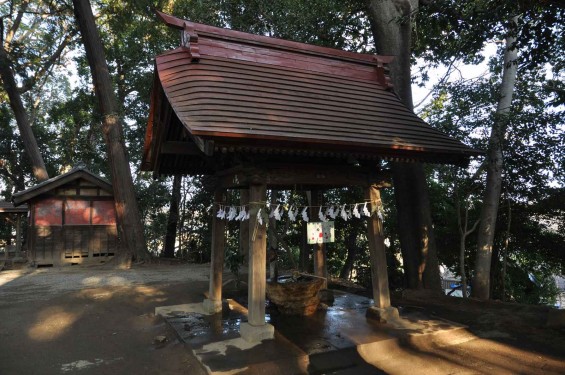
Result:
{"points": [[127, 211], [26, 132], [21, 22], [173, 219], [11, 159], [472, 107], [391, 23], [494, 166]]}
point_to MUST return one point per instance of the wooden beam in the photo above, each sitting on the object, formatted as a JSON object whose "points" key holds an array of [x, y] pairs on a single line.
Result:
{"points": [[180, 148], [206, 146], [291, 175]]}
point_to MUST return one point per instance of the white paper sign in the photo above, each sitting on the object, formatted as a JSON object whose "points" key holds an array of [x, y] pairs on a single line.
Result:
{"points": [[319, 232]]}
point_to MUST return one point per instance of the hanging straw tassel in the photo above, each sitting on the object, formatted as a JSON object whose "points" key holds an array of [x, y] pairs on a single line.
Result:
{"points": [[305, 214]]}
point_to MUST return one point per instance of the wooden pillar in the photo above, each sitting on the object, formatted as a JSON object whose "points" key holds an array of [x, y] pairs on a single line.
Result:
{"points": [[213, 303], [256, 329], [319, 250], [257, 257], [381, 310], [244, 227]]}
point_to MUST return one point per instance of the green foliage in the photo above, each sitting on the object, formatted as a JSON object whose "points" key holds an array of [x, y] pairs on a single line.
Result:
{"points": [[66, 121], [195, 222], [12, 162], [531, 287], [234, 260], [449, 30], [153, 196], [533, 148], [332, 23]]}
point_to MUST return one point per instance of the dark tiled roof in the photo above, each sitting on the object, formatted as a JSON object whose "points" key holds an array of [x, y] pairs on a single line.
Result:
{"points": [[52, 183], [8, 207]]}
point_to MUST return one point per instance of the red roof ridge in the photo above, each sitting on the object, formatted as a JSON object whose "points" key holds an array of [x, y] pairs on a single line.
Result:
{"points": [[212, 32]]}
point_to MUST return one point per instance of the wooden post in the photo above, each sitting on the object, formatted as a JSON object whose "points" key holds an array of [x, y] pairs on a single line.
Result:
{"points": [[256, 329], [382, 310], [319, 250], [257, 257], [213, 303]]}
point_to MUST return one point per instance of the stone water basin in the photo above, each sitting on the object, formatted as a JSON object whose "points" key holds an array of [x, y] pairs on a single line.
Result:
{"points": [[295, 295]]}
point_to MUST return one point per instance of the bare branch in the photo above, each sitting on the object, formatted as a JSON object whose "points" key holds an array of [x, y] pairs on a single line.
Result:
{"points": [[473, 227], [25, 36], [16, 25], [441, 82], [48, 63]]}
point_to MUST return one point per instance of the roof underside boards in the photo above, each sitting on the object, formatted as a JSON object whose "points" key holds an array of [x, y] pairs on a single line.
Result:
{"points": [[9, 208], [246, 96]]}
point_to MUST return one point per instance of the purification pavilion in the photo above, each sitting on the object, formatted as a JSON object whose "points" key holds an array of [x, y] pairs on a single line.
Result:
{"points": [[254, 112]]}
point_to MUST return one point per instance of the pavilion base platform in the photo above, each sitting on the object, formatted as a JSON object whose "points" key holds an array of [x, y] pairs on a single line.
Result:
{"points": [[382, 315], [253, 333], [339, 339]]}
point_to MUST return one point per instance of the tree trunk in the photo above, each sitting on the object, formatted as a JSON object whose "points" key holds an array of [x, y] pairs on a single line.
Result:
{"points": [[494, 164], [272, 241], [505, 252], [494, 282], [132, 239], [173, 220], [391, 26], [304, 259], [30, 144], [463, 233], [352, 251]]}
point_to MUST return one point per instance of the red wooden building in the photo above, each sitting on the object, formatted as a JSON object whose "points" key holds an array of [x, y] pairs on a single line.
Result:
{"points": [[255, 113], [72, 219]]}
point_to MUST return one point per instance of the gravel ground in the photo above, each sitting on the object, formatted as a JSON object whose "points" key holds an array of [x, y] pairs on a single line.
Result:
{"points": [[30, 284]]}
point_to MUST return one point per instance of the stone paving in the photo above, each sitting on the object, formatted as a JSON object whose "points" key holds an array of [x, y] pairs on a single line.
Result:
{"points": [[334, 339]]}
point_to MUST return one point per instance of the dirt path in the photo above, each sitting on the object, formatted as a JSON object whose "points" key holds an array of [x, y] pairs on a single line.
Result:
{"points": [[30, 284], [98, 321], [94, 321]]}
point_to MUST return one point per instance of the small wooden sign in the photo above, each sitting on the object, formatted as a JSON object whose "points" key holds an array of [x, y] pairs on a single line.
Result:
{"points": [[319, 232]]}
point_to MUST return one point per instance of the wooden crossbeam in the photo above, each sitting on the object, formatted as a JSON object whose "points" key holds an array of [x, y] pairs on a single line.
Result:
{"points": [[180, 148], [298, 175]]}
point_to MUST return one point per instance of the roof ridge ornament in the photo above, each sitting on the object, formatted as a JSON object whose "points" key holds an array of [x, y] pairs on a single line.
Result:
{"points": [[189, 40], [382, 74], [213, 32]]}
